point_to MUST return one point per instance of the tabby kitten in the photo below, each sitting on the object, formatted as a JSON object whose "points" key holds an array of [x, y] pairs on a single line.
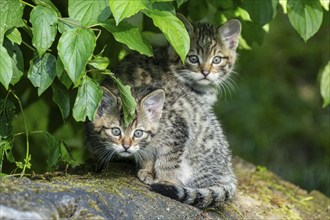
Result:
{"points": [[107, 137], [208, 64], [193, 161]]}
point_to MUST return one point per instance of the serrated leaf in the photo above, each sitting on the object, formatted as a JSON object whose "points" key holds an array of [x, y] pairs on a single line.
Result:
{"points": [[261, 12], [87, 100], [11, 12], [129, 35], [99, 62], [16, 57], [305, 16], [62, 99], [128, 101], [14, 36], [6, 67], [89, 12], [173, 29], [126, 8], [44, 27], [7, 113], [42, 72], [75, 48], [325, 85]]}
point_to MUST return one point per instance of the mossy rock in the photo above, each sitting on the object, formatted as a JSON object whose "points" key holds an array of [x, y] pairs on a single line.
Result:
{"points": [[118, 194]]}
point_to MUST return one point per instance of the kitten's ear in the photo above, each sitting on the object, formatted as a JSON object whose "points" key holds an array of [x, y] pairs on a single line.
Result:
{"points": [[230, 32], [108, 101], [152, 105], [186, 23]]}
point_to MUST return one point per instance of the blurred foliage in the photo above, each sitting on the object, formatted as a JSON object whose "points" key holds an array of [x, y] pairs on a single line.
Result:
{"points": [[274, 118]]}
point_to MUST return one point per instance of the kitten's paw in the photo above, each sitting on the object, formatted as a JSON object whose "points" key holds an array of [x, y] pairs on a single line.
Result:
{"points": [[145, 176]]}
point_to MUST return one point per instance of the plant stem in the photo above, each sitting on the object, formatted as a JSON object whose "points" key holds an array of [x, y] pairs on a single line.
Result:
{"points": [[28, 46], [26, 135], [28, 4]]}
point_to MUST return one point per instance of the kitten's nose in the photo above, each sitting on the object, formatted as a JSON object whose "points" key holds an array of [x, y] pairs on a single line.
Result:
{"points": [[205, 72], [126, 146]]}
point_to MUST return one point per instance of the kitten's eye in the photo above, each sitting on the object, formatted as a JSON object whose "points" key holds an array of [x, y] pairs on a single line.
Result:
{"points": [[193, 59], [115, 131], [217, 60], [138, 133]]}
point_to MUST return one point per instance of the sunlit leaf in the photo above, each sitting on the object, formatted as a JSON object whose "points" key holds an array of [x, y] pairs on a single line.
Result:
{"points": [[44, 27], [305, 16], [173, 29], [6, 67], [99, 62], [126, 8], [128, 101], [87, 100], [129, 35], [11, 12], [325, 85], [14, 36], [42, 72], [89, 12], [75, 48]]}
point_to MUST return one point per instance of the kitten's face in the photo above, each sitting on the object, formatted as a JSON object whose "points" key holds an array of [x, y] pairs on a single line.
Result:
{"points": [[114, 138], [212, 55]]}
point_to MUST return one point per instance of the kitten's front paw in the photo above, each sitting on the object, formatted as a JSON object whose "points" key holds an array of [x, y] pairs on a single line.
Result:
{"points": [[145, 176]]}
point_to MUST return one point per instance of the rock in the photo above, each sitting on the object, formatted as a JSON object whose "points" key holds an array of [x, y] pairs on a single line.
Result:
{"points": [[118, 194]]}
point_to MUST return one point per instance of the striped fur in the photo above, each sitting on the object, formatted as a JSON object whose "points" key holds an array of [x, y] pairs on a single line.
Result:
{"points": [[193, 161]]}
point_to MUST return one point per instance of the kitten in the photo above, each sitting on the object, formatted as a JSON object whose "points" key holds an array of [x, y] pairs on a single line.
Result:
{"points": [[106, 136], [192, 160], [208, 64]]}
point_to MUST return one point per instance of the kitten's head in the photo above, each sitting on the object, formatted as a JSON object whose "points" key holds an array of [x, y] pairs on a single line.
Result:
{"points": [[212, 54], [114, 138]]}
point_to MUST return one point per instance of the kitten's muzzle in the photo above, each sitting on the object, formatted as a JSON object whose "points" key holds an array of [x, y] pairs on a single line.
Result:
{"points": [[126, 146], [205, 73]]}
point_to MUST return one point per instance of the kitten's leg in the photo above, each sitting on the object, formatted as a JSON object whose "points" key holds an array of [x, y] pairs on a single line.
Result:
{"points": [[145, 174]]}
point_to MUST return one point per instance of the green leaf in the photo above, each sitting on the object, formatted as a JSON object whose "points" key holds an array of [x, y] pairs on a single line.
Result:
{"points": [[6, 149], [129, 35], [173, 29], [261, 12], [75, 48], [180, 2], [54, 150], [162, 6], [126, 8], [62, 99], [14, 36], [67, 24], [11, 12], [99, 62], [6, 67], [16, 57], [44, 27], [305, 16], [42, 72], [7, 113], [325, 85], [66, 154], [325, 4], [198, 9], [48, 3], [89, 12], [87, 100], [128, 101], [62, 75]]}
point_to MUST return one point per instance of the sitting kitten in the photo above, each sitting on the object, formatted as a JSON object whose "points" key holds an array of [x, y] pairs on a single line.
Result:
{"points": [[207, 67], [107, 137], [193, 161]]}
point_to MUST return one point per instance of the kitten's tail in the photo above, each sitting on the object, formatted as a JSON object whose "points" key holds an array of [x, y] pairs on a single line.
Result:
{"points": [[199, 197]]}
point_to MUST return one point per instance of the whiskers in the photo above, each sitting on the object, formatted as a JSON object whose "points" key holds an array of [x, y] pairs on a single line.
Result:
{"points": [[143, 155], [103, 154], [227, 84]]}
